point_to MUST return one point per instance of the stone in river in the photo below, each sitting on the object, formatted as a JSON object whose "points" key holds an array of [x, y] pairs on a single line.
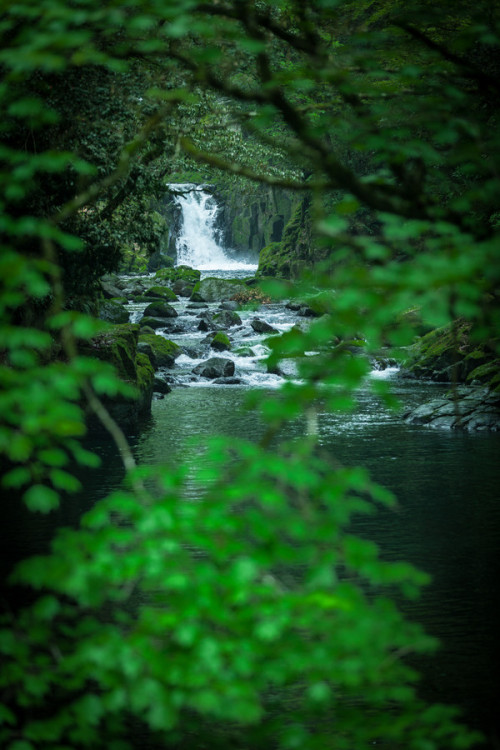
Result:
{"points": [[215, 367], [260, 326]]}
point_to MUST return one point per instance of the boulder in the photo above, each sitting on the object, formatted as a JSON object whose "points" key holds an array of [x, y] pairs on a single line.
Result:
{"points": [[145, 348], [161, 292], [229, 305], [260, 326], [118, 347], [215, 290], [110, 289], [215, 367], [165, 351], [160, 385], [220, 342], [218, 320], [184, 273], [154, 323], [160, 309], [113, 312], [183, 288]]}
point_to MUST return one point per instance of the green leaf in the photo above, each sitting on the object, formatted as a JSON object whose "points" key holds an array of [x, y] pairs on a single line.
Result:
{"points": [[41, 498]]}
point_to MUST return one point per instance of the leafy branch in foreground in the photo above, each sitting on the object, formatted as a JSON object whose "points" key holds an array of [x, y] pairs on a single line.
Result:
{"points": [[251, 617]]}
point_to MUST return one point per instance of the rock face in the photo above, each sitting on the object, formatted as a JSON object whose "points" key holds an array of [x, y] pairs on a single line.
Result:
{"points": [[468, 409], [215, 367], [253, 220], [288, 255]]}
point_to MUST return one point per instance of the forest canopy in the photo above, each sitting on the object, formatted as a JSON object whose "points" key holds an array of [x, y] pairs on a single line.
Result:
{"points": [[168, 615]]}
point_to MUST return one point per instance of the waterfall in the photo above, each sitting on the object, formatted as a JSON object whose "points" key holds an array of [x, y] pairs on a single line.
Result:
{"points": [[198, 243]]}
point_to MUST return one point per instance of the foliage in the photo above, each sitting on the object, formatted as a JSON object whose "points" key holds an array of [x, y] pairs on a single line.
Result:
{"points": [[184, 616]]}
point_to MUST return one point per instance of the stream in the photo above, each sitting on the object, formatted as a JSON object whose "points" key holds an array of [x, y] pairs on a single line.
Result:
{"points": [[447, 521], [448, 517]]}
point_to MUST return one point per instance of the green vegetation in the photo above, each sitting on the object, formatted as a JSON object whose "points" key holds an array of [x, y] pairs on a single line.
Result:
{"points": [[175, 615]]}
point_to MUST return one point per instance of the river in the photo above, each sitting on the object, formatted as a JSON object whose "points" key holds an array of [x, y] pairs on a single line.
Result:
{"points": [[447, 521]]}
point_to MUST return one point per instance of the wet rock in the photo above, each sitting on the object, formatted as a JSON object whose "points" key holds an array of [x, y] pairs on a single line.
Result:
{"points": [[227, 381], [113, 312], [215, 367], [216, 290], [161, 310], [118, 346], [260, 326], [132, 289], [220, 342], [161, 292], [466, 409], [219, 320], [144, 348], [160, 385], [229, 305], [183, 288], [165, 352], [245, 351], [110, 289], [154, 322]]}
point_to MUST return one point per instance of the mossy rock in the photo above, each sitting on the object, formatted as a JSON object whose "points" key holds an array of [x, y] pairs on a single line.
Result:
{"points": [[165, 351], [113, 312], [183, 273], [160, 309], [160, 292], [118, 347], [487, 373], [149, 322], [215, 290], [449, 354], [145, 379], [220, 342]]}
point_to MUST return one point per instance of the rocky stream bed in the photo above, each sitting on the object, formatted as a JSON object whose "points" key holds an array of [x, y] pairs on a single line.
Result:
{"points": [[183, 330]]}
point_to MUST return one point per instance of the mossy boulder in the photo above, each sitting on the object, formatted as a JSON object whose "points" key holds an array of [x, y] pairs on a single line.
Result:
{"points": [[182, 273], [161, 292], [220, 342], [160, 309], [449, 354], [165, 351], [149, 322], [112, 311], [118, 347], [215, 290]]}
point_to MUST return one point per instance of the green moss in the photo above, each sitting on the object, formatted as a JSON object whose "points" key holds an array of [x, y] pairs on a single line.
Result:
{"points": [[488, 373], [451, 350], [117, 345], [183, 273], [145, 372], [160, 292], [164, 350], [221, 342]]}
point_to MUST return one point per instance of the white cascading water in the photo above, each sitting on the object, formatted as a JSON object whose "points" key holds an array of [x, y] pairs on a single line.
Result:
{"points": [[197, 244]]}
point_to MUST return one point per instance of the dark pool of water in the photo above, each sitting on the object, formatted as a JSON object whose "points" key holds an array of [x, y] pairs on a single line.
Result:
{"points": [[447, 521]]}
